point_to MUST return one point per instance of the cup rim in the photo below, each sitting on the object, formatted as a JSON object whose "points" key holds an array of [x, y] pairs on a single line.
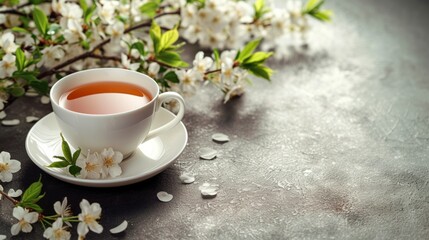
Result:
{"points": [[57, 83]]}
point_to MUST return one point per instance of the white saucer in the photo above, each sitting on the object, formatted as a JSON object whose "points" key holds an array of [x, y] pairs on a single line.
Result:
{"points": [[152, 157]]}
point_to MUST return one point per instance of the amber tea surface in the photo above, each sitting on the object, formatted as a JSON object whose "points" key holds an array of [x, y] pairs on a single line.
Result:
{"points": [[105, 98]]}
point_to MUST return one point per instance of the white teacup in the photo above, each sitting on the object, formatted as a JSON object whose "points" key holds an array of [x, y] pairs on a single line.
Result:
{"points": [[123, 131]]}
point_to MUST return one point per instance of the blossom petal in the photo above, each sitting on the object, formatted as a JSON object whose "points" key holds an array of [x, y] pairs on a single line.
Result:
{"points": [[31, 217], [48, 232], [5, 156], [26, 227], [5, 176], [115, 171], [82, 229], [96, 227], [15, 229], [120, 228], [18, 213], [164, 196], [14, 166], [13, 193]]}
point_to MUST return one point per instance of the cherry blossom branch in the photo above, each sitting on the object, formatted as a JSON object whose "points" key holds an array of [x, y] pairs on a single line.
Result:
{"points": [[113, 58], [148, 24], [13, 12], [101, 44], [14, 201]]}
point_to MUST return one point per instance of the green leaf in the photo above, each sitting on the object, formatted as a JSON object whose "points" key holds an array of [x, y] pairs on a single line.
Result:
{"points": [[85, 44], [312, 5], [66, 149], [41, 20], [323, 15], [74, 170], [83, 5], [20, 30], [61, 157], [41, 86], [88, 13], [172, 77], [32, 192], [216, 57], [33, 206], [149, 9], [139, 46], [248, 49], [171, 59], [20, 59], [36, 1], [259, 70], [168, 38], [260, 9], [155, 35], [76, 155], [258, 57], [61, 164], [16, 91]]}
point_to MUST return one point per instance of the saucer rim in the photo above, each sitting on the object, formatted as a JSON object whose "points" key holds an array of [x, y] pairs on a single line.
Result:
{"points": [[111, 182]]}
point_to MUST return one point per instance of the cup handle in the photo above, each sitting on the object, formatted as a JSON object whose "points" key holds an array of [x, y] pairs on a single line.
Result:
{"points": [[162, 98]]}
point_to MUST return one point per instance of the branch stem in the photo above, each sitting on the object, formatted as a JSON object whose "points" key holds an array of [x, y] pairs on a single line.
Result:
{"points": [[14, 201]]}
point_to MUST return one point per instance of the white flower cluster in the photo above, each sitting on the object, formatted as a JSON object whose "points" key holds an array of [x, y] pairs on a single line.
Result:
{"points": [[227, 24], [88, 218], [100, 165], [7, 64], [60, 37]]}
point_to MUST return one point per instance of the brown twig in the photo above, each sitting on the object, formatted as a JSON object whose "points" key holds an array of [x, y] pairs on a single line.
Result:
{"points": [[13, 12], [113, 58], [14, 201]]}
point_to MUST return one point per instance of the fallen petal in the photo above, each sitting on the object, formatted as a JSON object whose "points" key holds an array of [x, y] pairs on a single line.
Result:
{"points": [[187, 178], [11, 122], [31, 94], [164, 196], [30, 119], [120, 228], [220, 138], [45, 100], [13, 193], [209, 190], [2, 114], [208, 153]]}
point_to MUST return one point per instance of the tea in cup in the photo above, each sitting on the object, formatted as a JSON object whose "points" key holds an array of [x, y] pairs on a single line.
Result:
{"points": [[110, 107]]}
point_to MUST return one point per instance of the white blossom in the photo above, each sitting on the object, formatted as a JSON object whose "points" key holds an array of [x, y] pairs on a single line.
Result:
{"points": [[25, 218], [57, 231], [106, 12], [90, 166], [62, 209], [7, 42], [116, 30], [127, 63], [88, 218], [202, 64], [51, 55], [71, 12], [188, 79], [153, 70], [74, 32], [110, 163], [8, 166], [7, 65]]}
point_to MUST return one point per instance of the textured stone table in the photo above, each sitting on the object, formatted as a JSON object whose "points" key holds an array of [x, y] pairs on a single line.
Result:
{"points": [[335, 147]]}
